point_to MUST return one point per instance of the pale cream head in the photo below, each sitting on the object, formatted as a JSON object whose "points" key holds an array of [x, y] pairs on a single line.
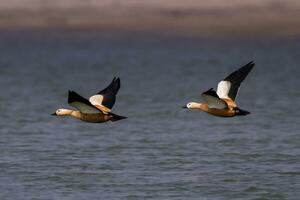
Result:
{"points": [[193, 105], [62, 112]]}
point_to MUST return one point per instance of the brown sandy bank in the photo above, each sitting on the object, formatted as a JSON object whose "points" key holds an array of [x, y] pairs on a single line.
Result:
{"points": [[270, 20]]}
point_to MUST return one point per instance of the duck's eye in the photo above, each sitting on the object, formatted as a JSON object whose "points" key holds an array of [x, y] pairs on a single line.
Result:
{"points": [[58, 110]]}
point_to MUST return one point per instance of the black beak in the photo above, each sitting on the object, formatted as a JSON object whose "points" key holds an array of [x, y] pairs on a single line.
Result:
{"points": [[53, 114], [184, 107]]}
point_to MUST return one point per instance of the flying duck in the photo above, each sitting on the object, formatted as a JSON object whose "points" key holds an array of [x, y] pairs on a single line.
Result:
{"points": [[222, 103], [95, 110]]}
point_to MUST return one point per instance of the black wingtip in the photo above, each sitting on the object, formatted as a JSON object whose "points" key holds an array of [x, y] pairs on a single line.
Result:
{"points": [[240, 74], [117, 80], [252, 63], [71, 97], [116, 84], [208, 91], [74, 97], [249, 65], [211, 92], [112, 88]]}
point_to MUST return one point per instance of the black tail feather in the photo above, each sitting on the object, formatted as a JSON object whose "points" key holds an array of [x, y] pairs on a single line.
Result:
{"points": [[116, 117], [242, 112]]}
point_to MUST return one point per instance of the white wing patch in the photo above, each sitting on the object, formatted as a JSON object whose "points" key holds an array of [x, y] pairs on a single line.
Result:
{"points": [[223, 89], [96, 99], [84, 108], [214, 102]]}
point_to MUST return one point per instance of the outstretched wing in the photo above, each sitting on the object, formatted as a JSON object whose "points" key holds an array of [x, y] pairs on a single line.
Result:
{"points": [[228, 88], [213, 100], [106, 98], [82, 104]]}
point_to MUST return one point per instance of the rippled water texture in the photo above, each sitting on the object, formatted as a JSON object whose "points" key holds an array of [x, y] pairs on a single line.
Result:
{"points": [[161, 151]]}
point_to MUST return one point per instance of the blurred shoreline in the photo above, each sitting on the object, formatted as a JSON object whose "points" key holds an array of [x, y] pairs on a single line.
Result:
{"points": [[268, 20]]}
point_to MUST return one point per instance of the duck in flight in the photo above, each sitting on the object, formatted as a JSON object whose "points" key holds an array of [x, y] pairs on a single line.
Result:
{"points": [[222, 103], [97, 109]]}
